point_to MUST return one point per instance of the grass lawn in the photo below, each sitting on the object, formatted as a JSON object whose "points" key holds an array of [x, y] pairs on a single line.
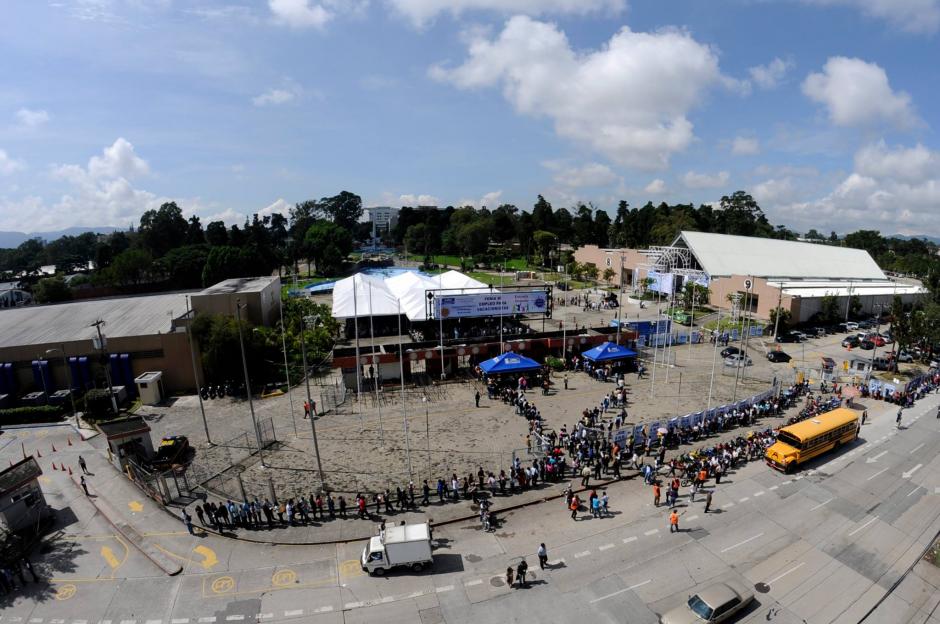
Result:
{"points": [[302, 283], [727, 324]]}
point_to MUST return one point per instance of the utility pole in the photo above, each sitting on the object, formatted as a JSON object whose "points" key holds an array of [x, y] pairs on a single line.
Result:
{"points": [[251, 405], [102, 346], [313, 425], [192, 355], [68, 380]]}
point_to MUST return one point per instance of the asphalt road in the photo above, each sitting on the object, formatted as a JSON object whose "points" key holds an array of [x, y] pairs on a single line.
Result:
{"points": [[822, 546]]}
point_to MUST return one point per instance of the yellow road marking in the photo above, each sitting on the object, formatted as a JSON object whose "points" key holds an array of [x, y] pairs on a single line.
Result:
{"points": [[64, 592], [109, 557], [209, 559], [45, 480], [223, 585], [215, 593], [135, 506], [284, 578], [351, 567], [164, 533], [82, 580]]}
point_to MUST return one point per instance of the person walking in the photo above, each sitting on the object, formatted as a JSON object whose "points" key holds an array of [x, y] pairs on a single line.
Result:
{"points": [[656, 493], [521, 570], [585, 476], [188, 521], [566, 381], [509, 579], [542, 555], [82, 464], [573, 506], [84, 486], [674, 522], [708, 501], [477, 398], [898, 419]]}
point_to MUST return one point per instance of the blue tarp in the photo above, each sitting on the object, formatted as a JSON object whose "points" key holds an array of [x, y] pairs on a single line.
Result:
{"points": [[509, 362], [607, 352]]}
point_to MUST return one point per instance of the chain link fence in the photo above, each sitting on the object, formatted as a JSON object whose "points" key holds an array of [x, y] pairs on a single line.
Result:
{"points": [[218, 468]]}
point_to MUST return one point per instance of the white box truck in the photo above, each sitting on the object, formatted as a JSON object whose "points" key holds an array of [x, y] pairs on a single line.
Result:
{"points": [[404, 545]]}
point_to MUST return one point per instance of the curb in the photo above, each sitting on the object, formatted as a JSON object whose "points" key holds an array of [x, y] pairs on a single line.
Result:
{"points": [[132, 536]]}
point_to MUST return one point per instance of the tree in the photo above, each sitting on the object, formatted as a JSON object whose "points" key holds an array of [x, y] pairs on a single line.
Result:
{"points": [[692, 292], [814, 235], [327, 244], [855, 306], [130, 268], [194, 233], [183, 266], [740, 214], [781, 314], [828, 309], [474, 238], [217, 234], [590, 271], [225, 262], [869, 240], [163, 229], [344, 209], [51, 290], [542, 218], [609, 275], [545, 243]]}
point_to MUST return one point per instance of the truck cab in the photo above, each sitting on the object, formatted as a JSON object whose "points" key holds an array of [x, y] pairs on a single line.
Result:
{"points": [[398, 546]]}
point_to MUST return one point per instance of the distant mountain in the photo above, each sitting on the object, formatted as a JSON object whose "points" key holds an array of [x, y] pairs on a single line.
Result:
{"points": [[933, 239], [14, 239]]}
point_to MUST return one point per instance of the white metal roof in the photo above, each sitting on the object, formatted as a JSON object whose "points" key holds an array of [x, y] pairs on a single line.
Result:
{"points": [[845, 289], [722, 255]]}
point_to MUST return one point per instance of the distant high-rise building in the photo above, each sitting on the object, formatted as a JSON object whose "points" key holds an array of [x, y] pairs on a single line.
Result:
{"points": [[383, 218]]}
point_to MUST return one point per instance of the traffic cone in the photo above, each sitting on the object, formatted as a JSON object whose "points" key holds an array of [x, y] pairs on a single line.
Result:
{"points": [[70, 440], [53, 466], [23, 446], [53, 447], [11, 463], [70, 471], [38, 453]]}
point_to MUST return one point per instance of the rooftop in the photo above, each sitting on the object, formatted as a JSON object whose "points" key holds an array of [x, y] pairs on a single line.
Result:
{"points": [[723, 255], [240, 285], [19, 473], [123, 426], [66, 322]]}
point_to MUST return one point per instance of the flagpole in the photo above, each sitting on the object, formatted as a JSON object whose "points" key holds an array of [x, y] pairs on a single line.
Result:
{"points": [[290, 395], [440, 281], [714, 359], [375, 378], [358, 361], [401, 374]]}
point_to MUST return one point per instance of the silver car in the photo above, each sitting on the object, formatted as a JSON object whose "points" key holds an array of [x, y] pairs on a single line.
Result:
{"points": [[720, 602], [738, 359]]}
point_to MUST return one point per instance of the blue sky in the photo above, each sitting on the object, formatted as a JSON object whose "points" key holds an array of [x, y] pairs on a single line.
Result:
{"points": [[824, 110]]}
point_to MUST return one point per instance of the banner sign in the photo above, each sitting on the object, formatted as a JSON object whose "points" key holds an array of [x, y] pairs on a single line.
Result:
{"points": [[490, 304]]}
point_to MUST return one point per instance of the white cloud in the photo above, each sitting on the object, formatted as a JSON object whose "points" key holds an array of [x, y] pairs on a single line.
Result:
{"points": [[28, 118], [769, 76], [745, 146], [228, 216], [914, 164], [774, 191], [285, 94], [10, 165], [279, 206], [628, 100], [694, 180], [490, 201], [894, 189], [917, 16], [656, 187], [420, 12], [300, 13], [858, 93], [589, 175], [118, 160], [418, 200]]}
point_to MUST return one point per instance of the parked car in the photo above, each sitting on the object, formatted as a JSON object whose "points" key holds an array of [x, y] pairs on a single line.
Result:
{"points": [[889, 339], [738, 359], [790, 336], [172, 450], [778, 356], [904, 356], [881, 363], [818, 332], [833, 329], [850, 341], [866, 324], [868, 345], [729, 351], [720, 602], [851, 326], [878, 340]]}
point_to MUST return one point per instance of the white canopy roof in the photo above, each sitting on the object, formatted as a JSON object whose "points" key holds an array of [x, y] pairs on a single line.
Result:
{"points": [[722, 255], [410, 288], [363, 295]]}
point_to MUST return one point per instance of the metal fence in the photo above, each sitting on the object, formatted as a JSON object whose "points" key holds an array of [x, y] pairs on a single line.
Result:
{"points": [[332, 396], [218, 468]]}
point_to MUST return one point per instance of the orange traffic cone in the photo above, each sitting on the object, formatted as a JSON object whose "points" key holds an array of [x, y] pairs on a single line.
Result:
{"points": [[53, 447], [70, 471], [53, 466], [70, 440], [38, 453]]}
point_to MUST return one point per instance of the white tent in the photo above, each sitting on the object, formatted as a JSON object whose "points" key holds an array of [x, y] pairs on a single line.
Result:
{"points": [[411, 289], [366, 289], [455, 280]]}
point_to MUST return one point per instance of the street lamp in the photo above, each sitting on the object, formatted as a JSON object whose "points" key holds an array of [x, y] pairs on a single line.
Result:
{"points": [[68, 379], [303, 350], [192, 356], [427, 431], [251, 405]]}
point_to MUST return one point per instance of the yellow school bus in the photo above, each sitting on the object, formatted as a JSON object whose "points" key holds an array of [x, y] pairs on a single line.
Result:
{"points": [[812, 437]]}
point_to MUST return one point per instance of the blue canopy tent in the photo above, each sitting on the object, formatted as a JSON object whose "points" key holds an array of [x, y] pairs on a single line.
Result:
{"points": [[608, 352], [509, 362]]}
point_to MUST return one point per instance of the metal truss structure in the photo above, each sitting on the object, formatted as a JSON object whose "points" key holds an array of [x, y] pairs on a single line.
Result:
{"points": [[675, 260]]}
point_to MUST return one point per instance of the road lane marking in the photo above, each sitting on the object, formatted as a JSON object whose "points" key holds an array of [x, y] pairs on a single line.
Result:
{"points": [[909, 473], [773, 487], [777, 578], [474, 582], [873, 459], [744, 500], [620, 591], [148, 621], [877, 473], [756, 494], [651, 532], [787, 482], [914, 490], [325, 609], [265, 616], [177, 621], [583, 553], [443, 588], [234, 618], [605, 547], [729, 505], [742, 543], [863, 526], [627, 540], [207, 620], [294, 613], [820, 505], [916, 448]]}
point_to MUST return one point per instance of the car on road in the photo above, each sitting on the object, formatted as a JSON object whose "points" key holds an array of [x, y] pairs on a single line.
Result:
{"points": [[851, 341], [778, 356], [738, 359], [720, 602], [729, 351]]}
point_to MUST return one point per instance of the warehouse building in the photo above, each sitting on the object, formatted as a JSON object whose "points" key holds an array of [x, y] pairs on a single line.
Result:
{"points": [[764, 273]]}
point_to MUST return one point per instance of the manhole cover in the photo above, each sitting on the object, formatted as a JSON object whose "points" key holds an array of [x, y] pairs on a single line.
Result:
{"points": [[473, 558], [762, 588], [496, 581]]}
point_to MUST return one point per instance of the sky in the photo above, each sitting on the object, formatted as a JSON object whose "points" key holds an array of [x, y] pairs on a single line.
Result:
{"points": [[824, 110]]}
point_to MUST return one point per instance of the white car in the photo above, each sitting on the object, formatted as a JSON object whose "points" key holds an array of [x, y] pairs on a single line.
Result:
{"points": [[738, 359], [851, 326]]}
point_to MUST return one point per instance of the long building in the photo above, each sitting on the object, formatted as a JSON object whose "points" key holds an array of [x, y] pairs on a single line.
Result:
{"points": [[766, 273]]}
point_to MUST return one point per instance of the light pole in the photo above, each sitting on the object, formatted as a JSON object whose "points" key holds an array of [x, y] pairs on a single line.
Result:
{"points": [[290, 395], [192, 355], [68, 380], [313, 425], [251, 405], [102, 346], [427, 431]]}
